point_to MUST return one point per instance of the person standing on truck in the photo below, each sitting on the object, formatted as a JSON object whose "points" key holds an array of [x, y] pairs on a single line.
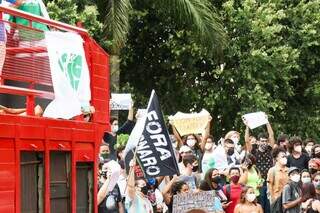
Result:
{"points": [[3, 38]]}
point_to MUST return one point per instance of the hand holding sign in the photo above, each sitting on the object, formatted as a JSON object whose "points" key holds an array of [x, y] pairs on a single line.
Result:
{"points": [[254, 120]]}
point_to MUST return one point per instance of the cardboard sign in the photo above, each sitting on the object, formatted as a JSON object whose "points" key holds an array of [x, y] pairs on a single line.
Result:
{"points": [[201, 200], [120, 101], [254, 120], [190, 123]]}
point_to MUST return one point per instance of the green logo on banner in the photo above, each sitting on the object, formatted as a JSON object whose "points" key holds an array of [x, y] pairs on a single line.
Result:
{"points": [[71, 66]]}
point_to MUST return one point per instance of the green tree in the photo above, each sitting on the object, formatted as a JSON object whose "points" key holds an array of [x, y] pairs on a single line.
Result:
{"points": [[69, 12], [270, 65], [197, 15]]}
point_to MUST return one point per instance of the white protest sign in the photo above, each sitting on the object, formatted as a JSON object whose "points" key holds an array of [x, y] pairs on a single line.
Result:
{"points": [[190, 123], [120, 101], [113, 172], [255, 119], [201, 201]]}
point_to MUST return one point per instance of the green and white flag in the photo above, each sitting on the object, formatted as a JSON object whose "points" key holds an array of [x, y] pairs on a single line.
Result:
{"points": [[69, 73]]}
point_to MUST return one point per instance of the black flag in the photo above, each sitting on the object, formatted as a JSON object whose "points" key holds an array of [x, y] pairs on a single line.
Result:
{"points": [[154, 150]]}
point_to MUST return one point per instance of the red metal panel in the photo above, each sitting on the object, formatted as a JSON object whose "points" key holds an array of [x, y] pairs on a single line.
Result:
{"points": [[60, 145], [47, 174], [32, 132], [99, 80], [83, 135], [100, 70], [17, 170], [32, 145], [6, 155], [63, 134], [7, 176], [7, 130], [84, 152], [8, 208], [6, 143], [6, 199], [100, 92]]}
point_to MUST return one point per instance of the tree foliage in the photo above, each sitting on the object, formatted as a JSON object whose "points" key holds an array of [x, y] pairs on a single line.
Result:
{"points": [[270, 64]]}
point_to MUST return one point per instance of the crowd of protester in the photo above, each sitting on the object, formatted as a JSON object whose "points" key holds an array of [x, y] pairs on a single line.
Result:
{"points": [[260, 175]]}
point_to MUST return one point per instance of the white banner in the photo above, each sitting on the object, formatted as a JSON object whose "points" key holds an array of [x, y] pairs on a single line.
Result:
{"points": [[69, 73]]}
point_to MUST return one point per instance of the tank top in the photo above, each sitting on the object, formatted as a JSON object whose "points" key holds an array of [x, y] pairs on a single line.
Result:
{"points": [[253, 180]]}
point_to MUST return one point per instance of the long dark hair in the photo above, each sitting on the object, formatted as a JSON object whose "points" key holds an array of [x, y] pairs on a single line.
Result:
{"points": [[177, 186], [253, 160], [208, 177], [308, 190]]}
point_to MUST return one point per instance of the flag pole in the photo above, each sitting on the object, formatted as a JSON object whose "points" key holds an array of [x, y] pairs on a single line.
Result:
{"points": [[131, 170]]}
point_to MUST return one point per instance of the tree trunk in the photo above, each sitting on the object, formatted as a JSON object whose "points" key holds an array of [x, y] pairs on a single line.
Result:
{"points": [[114, 73]]}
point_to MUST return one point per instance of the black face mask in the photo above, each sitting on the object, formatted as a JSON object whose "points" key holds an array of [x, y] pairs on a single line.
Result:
{"points": [[195, 168], [216, 179], [104, 174], [313, 171], [144, 190], [263, 147], [230, 151]]}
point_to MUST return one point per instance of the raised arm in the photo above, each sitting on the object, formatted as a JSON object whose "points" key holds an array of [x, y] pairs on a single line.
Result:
{"points": [[271, 134], [247, 140], [205, 134], [166, 192], [131, 113], [177, 136], [131, 182], [103, 191]]}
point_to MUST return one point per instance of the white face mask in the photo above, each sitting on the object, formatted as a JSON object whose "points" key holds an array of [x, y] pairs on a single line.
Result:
{"points": [[251, 197], [309, 148], [114, 128], [283, 161], [208, 146], [306, 180], [295, 178], [191, 142], [235, 139], [298, 149], [238, 148]]}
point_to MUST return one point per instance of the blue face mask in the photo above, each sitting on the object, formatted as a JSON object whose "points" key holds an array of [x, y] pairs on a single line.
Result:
{"points": [[151, 181]]}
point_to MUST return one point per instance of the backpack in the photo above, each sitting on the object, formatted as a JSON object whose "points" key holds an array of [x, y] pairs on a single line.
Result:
{"points": [[276, 206]]}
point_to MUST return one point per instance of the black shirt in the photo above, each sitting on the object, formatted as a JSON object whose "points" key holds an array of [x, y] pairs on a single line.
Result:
{"points": [[126, 128], [301, 163], [264, 160]]}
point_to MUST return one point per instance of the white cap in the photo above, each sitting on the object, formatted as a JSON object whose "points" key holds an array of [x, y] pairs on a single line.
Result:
{"points": [[185, 148]]}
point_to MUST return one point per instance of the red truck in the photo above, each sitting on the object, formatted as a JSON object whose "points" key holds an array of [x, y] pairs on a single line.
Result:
{"points": [[48, 165]]}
